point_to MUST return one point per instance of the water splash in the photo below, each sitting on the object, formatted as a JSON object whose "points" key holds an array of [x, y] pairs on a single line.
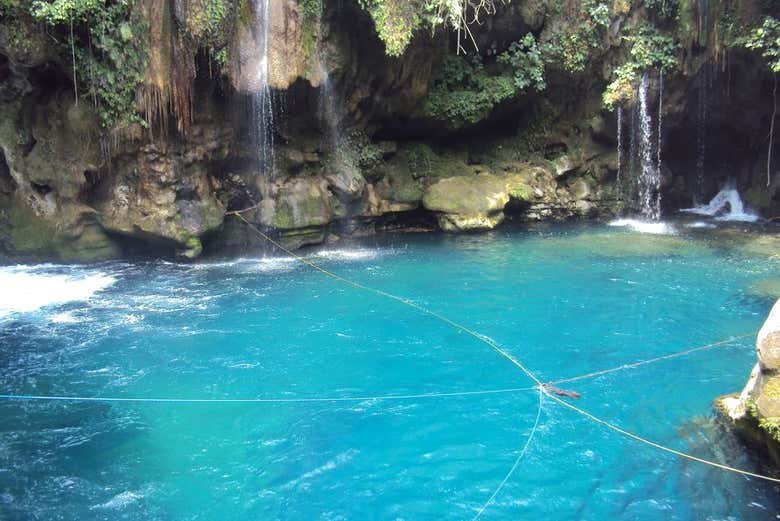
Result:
{"points": [[727, 205], [261, 97]]}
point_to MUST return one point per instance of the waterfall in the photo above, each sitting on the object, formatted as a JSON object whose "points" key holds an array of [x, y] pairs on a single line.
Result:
{"points": [[659, 143], [261, 96], [701, 130], [619, 142], [649, 179], [727, 198], [328, 112]]}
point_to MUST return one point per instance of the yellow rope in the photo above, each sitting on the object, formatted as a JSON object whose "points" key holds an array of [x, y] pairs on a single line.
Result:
{"points": [[509, 357], [651, 443], [402, 300]]}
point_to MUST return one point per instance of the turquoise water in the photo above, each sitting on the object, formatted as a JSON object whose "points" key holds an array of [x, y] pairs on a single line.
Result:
{"points": [[565, 300]]}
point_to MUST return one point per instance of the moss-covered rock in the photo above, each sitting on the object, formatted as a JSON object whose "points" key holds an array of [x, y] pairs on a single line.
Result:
{"points": [[299, 203], [471, 202], [755, 413]]}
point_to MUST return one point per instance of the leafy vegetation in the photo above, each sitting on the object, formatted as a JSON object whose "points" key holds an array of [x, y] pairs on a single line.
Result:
{"points": [[107, 51], [572, 46], [467, 91], [396, 21], [649, 49], [765, 39]]}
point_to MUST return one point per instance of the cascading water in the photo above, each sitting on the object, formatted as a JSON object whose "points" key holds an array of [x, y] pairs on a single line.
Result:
{"points": [[701, 129], [619, 143], [261, 96], [643, 185], [727, 205], [329, 115], [649, 177], [659, 143]]}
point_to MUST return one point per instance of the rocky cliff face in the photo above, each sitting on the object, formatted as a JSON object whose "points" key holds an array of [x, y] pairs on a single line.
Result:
{"points": [[362, 141], [755, 412]]}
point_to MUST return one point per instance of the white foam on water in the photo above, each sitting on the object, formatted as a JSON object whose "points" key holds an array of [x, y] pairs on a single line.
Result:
{"points": [[119, 501], [332, 464], [727, 206], [700, 224], [65, 317], [349, 255], [25, 289], [638, 225]]}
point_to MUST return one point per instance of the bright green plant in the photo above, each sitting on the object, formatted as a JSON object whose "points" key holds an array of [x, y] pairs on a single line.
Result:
{"points": [[571, 46], [466, 92], [396, 21], [765, 39], [112, 60], [649, 49], [527, 63]]}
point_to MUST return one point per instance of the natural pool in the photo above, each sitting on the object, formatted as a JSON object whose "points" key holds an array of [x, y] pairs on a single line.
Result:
{"points": [[565, 300]]}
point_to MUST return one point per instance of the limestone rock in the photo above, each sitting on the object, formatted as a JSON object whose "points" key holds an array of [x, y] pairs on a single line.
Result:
{"points": [[287, 59], [468, 203], [345, 179], [165, 195], [480, 194], [299, 203], [458, 223], [768, 341], [44, 166]]}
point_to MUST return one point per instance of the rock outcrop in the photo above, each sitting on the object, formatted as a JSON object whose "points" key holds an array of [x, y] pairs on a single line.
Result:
{"points": [[755, 412]]}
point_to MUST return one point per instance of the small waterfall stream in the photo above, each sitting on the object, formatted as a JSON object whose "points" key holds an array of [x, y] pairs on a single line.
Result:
{"points": [[619, 144], [261, 97], [649, 177], [701, 129]]}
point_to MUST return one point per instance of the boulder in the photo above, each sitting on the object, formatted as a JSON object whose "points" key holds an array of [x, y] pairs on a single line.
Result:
{"points": [[299, 203], [768, 341], [467, 202], [163, 195]]}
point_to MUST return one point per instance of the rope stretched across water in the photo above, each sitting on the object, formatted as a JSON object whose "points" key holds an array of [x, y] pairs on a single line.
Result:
{"points": [[402, 300], [506, 355], [33, 397], [519, 457], [384, 397], [640, 363]]}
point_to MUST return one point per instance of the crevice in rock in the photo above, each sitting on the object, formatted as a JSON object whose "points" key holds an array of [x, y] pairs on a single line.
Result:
{"points": [[41, 189], [7, 183]]}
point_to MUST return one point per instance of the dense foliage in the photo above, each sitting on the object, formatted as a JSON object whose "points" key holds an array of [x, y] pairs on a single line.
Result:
{"points": [[107, 50], [465, 91], [766, 40], [396, 21], [571, 47]]}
